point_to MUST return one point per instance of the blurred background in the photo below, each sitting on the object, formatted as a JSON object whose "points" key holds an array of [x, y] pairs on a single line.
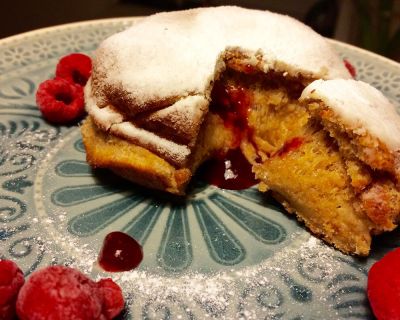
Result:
{"points": [[371, 24]]}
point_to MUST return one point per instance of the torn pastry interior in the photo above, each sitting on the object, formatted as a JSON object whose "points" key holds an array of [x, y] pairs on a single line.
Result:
{"points": [[178, 87], [337, 169]]}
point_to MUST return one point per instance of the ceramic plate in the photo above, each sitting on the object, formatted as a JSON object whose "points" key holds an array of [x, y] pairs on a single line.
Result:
{"points": [[218, 254]]}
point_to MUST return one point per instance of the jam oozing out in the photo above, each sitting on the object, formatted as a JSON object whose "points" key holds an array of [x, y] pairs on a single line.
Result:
{"points": [[229, 171], [290, 146], [232, 104], [120, 252]]}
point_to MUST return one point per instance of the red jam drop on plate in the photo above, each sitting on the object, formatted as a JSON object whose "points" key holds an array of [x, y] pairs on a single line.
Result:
{"points": [[120, 252], [229, 171], [350, 68]]}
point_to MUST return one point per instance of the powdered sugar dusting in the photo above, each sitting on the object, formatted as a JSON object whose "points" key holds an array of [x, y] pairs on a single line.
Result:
{"points": [[175, 54], [227, 294], [180, 122], [189, 110], [104, 117], [177, 153], [112, 120], [233, 294], [360, 106]]}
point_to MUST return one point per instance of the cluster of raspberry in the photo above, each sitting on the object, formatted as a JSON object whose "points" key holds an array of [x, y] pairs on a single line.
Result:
{"points": [[56, 292], [61, 99]]}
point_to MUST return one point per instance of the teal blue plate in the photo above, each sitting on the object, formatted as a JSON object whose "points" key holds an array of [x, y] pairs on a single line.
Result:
{"points": [[216, 254]]}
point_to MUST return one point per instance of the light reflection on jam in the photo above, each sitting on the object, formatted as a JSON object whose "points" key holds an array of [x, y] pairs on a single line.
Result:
{"points": [[120, 252], [230, 171]]}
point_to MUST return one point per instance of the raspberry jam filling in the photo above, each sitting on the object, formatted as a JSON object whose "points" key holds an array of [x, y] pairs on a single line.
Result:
{"points": [[232, 104], [231, 170], [120, 252], [290, 146]]}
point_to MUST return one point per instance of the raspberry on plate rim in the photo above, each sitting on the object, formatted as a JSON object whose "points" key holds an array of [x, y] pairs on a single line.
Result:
{"points": [[75, 67], [61, 99]]}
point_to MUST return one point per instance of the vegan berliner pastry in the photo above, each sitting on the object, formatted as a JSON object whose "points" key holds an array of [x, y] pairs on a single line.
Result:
{"points": [[177, 88]]}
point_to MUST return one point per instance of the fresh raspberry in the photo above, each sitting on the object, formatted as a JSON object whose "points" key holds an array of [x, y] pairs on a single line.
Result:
{"points": [[384, 286], [59, 292], [60, 101], [113, 298], [350, 68], [11, 280], [75, 68]]}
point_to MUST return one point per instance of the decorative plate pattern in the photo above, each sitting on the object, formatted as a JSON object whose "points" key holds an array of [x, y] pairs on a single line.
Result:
{"points": [[222, 254]]}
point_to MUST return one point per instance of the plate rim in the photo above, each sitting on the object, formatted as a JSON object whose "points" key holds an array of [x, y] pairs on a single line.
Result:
{"points": [[72, 25], [65, 26]]}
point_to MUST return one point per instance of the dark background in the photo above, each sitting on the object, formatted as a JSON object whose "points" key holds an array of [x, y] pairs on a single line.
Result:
{"points": [[371, 24]]}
